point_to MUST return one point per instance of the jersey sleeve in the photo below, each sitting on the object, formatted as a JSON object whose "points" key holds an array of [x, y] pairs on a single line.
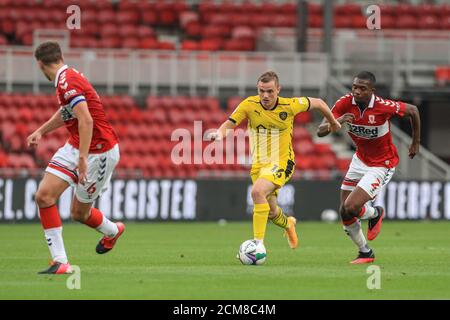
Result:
{"points": [[300, 104], [240, 113], [72, 92], [398, 108], [339, 107]]}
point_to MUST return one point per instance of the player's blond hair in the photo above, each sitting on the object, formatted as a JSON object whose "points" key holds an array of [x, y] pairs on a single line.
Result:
{"points": [[48, 52], [269, 76]]}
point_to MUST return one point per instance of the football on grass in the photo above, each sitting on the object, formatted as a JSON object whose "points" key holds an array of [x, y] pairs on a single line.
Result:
{"points": [[252, 252]]}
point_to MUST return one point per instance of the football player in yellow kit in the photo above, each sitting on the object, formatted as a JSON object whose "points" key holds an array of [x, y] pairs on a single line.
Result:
{"points": [[270, 124]]}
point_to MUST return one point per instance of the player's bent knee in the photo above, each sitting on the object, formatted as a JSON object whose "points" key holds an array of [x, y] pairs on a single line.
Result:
{"points": [[44, 198], [258, 195], [351, 209]]}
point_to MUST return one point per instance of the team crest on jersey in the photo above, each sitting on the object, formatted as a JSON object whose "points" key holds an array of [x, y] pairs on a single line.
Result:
{"points": [[283, 115], [372, 119]]}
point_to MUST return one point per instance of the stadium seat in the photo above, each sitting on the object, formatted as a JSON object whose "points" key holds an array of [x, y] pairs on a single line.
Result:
{"points": [[442, 75]]}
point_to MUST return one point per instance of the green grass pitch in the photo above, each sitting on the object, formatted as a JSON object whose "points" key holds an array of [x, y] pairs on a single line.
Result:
{"points": [[197, 261]]}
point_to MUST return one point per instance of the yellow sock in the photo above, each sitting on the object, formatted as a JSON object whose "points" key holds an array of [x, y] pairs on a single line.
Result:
{"points": [[260, 215], [281, 219]]}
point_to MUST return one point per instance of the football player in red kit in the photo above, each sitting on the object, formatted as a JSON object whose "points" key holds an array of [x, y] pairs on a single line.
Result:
{"points": [[374, 162], [85, 162]]}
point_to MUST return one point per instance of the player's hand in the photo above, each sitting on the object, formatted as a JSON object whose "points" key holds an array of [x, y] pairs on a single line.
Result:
{"points": [[33, 139], [82, 170], [348, 117], [215, 136], [335, 126], [413, 150]]}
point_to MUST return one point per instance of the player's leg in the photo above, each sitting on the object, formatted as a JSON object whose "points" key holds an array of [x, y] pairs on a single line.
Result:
{"points": [[260, 190], [279, 218], [351, 223], [352, 226], [276, 214], [372, 182], [50, 189], [94, 218], [100, 169]]}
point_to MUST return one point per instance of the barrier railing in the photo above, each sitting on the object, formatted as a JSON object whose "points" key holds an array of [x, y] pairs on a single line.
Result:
{"points": [[175, 71]]}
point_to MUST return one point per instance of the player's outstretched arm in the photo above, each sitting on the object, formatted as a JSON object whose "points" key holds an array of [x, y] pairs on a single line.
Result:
{"points": [[320, 105], [412, 112], [223, 131], [324, 127], [53, 123]]}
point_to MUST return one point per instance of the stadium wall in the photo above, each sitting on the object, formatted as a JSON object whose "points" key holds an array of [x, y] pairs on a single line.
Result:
{"points": [[212, 200]]}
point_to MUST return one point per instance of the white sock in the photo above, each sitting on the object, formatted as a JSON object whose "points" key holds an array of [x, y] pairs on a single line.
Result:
{"points": [[370, 212], [258, 241], [108, 228], [355, 232], [56, 244]]}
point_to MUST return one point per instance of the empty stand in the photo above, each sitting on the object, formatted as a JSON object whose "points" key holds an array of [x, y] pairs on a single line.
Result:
{"points": [[232, 26], [145, 135]]}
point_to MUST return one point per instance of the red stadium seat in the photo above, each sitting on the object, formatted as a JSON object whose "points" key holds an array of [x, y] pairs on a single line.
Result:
{"points": [[243, 32], [404, 9], [109, 30], [429, 22], [211, 44], [166, 45], [189, 45], [150, 18], [106, 16], [127, 17], [167, 18], [360, 22], [406, 22], [148, 43], [343, 164], [193, 29], [131, 43], [145, 32], [110, 42], [128, 31], [442, 75], [239, 45]]}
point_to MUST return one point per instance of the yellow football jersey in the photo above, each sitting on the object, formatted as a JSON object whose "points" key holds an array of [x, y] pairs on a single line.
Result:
{"points": [[270, 131]]}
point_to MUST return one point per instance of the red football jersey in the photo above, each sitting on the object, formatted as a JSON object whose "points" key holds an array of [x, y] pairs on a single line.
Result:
{"points": [[370, 130], [73, 88]]}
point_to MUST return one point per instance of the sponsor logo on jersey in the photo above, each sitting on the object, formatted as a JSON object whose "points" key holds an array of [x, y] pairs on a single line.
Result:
{"points": [[69, 93], [369, 132]]}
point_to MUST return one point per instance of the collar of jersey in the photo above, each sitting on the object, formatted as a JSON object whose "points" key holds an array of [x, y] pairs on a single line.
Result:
{"points": [[372, 101], [60, 70], [276, 105]]}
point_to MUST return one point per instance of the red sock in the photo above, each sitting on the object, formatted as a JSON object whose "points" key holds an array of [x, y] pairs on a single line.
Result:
{"points": [[362, 211], [50, 217], [349, 222], [95, 219]]}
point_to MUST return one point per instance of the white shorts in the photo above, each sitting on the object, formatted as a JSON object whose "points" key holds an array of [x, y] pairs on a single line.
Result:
{"points": [[100, 168], [370, 179]]}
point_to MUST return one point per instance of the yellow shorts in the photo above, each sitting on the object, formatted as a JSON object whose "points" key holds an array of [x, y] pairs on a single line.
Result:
{"points": [[277, 174]]}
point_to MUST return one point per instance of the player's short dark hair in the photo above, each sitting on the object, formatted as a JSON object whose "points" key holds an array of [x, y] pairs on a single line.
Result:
{"points": [[48, 52], [269, 76], [367, 75]]}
